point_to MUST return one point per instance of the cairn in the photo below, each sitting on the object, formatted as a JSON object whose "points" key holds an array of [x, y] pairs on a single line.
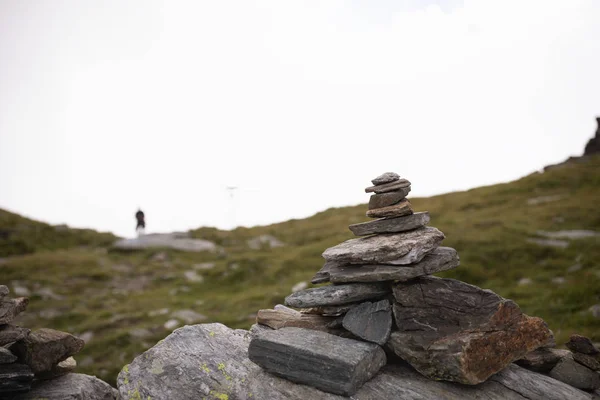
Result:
{"points": [[382, 301], [27, 357]]}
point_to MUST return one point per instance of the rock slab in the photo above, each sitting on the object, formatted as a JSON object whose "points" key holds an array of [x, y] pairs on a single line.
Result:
{"points": [[327, 362], [72, 387], [388, 187], [391, 225], [335, 295], [393, 248], [388, 199], [277, 319], [572, 373], [11, 333], [370, 321], [14, 378], [581, 344], [448, 329], [386, 177], [397, 210], [543, 359]]}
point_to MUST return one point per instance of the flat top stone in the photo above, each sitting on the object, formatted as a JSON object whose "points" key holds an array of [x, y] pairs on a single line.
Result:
{"points": [[334, 295], [386, 177], [388, 187], [391, 225]]}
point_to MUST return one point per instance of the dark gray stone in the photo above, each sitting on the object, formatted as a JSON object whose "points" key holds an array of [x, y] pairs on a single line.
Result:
{"points": [[397, 210], [211, 360], [6, 357], [388, 199], [572, 373], [542, 359], [392, 248], [74, 387], [592, 362], [370, 321], [14, 378], [448, 329], [388, 187], [322, 275], [3, 291], [335, 295], [10, 308], [440, 259], [581, 344], [11, 333], [391, 225], [386, 177], [327, 362]]}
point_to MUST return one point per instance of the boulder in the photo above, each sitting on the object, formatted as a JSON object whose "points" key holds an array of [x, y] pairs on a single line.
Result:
{"points": [[45, 348], [11, 333], [370, 321], [211, 360], [542, 359], [440, 259], [388, 187], [10, 308], [397, 210], [572, 373], [392, 248], [327, 362], [335, 295], [386, 177], [73, 387], [388, 199], [391, 225], [450, 330], [14, 378]]}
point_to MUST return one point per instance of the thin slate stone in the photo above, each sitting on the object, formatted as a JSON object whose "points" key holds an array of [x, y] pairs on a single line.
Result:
{"points": [[386, 177], [397, 210], [388, 187], [388, 199], [335, 295], [370, 321], [11, 333], [581, 344], [6, 357], [391, 225], [15, 378]]}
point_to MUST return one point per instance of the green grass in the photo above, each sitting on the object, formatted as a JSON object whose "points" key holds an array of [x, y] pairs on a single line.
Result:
{"points": [[112, 293]]}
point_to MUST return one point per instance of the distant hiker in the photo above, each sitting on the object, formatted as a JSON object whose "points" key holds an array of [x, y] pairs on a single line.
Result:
{"points": [[141, 222]]}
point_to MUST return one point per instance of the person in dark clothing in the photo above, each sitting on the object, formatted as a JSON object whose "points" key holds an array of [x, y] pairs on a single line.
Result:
{"points": [[141, 222]]}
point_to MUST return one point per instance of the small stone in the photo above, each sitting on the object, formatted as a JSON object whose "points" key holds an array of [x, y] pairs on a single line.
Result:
{"points": [[524, 282], [574, 268], [299, 286], [592, 362], [44, 348], [11, 333], [581, 344], [335, 295], [388, 187], [595, 310], [391, 225], [10, 308], [440, 259], [21, 291], [559, 280], [322, 275], [3, 291], [72, 387], [386, 177], [327, 362], [203, 266], [330, 311], [282, 308], [542, 359], [6, 357], [388, 199], [370, 321], [172, 324], [60, 369], [192, 276], [280, 319], [188, 316], [15, 378], [392, 248], [398, 210], [575, 374], [140, 333]]}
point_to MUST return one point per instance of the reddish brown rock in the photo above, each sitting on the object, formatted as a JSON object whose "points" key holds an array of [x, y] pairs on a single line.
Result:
{"points": [[454, 331], [397, 210], [45, 348], [10, 308]]}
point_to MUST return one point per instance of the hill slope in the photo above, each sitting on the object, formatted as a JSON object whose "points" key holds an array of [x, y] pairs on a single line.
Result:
{"points": [[121, 301]]}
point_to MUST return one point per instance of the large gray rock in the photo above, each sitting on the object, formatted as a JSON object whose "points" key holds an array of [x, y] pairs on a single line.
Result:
{"points": [[386, 177], [572, 373], [6, 357], [388, 199], [334, 295], [392, 248], [73, 387], [391, 225], [388, 187], [211, 360], [448, 329], [327, 362], [10, 308], [165, 240], [440, 259], [11, 333], [370, 321], [542, 359], [14, 378], [397, 210]]}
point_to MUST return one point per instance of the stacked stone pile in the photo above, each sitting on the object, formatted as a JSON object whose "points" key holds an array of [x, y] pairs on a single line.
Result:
{"points": [[27, 357], [383, 299]]}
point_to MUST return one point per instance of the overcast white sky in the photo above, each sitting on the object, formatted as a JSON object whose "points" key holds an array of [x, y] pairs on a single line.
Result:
{"points": [[110, 105]]}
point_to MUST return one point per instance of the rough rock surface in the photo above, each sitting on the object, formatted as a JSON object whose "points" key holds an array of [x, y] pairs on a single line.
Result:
{"points": [[11, 333], [392, 248], [3, 291], [322, 275], [397, 210], [211, 360], [386, 177], [6, 357], [10, 308], [277, 319], [14, 378], [448, 329], [60, 369], [335, 295], [388, 199], [391, 225], [388, 187], [45, 348], [542, 359], [581, 344], [572, 373], [592, 362], [318, 359], [370, 321], [72, 387], [440, 259]]}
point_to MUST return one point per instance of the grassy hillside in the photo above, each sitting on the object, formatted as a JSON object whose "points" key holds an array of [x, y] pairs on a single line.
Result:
{"points": [[124, 299]]}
